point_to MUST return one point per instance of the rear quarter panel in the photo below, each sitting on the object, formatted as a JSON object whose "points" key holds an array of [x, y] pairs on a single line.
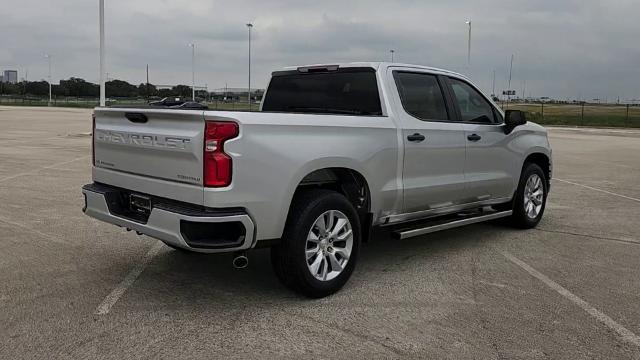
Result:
{"points": [[275, 151]]}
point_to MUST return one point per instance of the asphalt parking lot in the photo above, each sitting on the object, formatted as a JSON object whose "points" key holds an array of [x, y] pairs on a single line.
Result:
{"points": [[72, 287]]}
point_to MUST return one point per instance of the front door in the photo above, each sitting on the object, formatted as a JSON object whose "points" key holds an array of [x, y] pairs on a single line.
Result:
{"points": [[489, 165], [434, 144]]}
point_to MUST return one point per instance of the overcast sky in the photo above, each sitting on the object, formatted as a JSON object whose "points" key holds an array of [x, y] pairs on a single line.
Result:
{"points": [[563, 48]]}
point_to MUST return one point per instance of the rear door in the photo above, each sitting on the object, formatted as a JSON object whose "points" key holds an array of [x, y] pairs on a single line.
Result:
{"points": [[150, 149], [489, 162], [434, 144]]}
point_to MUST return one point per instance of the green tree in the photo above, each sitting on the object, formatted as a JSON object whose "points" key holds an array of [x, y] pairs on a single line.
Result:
{"points": [[40, 88], [143, 90], [119, 88], [181, 90], [78, 87]]}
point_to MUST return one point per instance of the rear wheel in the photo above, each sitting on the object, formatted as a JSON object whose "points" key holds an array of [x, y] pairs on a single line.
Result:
{"points": [[531, 197], [320, 244]]}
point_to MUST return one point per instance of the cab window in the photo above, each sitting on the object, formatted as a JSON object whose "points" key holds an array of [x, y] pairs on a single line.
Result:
{"points": [[421, 95], [473, 106]]}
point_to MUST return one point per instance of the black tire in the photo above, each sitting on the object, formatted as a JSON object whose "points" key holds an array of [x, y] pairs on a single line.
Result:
{"points": [[520, 218], [288, 257]]}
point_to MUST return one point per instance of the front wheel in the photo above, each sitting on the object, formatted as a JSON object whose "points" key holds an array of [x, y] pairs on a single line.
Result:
{"points": [[320, 244], [531, 197]]}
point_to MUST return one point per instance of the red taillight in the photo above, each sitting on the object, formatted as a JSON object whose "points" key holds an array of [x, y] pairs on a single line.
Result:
{"points": [[93, 139], [217, 164]]}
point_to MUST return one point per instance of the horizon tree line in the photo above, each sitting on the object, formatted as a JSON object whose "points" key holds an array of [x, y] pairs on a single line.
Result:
{"points": [[78, 87]]}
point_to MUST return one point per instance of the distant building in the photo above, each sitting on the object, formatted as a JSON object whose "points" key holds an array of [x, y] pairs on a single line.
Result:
{"points": [[10, 76]]}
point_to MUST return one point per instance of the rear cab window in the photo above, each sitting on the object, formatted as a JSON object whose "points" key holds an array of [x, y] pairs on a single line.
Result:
{"points": [[421, 95], [343, 91]]}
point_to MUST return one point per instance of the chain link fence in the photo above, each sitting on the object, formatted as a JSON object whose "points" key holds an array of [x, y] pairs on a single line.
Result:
{"points": [[90, 102], [604, 115]]}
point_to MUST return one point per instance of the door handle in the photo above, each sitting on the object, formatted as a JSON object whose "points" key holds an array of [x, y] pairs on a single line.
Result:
{"points": [[416, 137], [474, 137]]}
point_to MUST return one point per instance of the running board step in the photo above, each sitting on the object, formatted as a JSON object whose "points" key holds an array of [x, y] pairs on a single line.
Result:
{"points": [[411, 232]]}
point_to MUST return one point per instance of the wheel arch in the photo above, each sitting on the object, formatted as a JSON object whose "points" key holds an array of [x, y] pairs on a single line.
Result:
{"points": [[347, 181], [542, 160]]}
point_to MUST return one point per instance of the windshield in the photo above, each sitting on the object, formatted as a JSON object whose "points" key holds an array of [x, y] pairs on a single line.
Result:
{"points": [[350, 91]]}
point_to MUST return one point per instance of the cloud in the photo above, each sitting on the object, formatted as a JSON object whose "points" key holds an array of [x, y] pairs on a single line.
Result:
{"points": [[562, 49]]}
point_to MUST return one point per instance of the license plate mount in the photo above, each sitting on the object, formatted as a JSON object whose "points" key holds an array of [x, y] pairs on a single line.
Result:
{"points": [[140, 204]]}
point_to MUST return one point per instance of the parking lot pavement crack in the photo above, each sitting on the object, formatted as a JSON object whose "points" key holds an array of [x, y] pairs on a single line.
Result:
{"points": [[370, 339], [596, 189], [474, 288], [34, 231], [625, 334], [634, 242], [43, 168]]}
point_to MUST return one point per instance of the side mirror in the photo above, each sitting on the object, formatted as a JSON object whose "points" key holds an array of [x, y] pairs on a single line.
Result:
{"points": [[513, 118]]}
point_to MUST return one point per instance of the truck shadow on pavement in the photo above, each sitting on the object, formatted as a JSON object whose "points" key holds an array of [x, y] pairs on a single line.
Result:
{"points": [[177, 279]]}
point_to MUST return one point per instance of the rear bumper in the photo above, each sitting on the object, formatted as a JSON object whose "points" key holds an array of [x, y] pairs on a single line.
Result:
{"points": [[190, 227]]}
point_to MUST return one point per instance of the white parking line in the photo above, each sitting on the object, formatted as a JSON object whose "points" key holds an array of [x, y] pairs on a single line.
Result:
{"points": [[596, 189], [626, 334], [131, 277], [42, 168]]}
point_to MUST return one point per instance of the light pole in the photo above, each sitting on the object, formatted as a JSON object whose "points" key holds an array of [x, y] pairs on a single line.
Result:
{"points": [[193, 71], [493, 84], [102, 64], [249, 26], [509, 84], [392, 52], [510, 70], [468, 22], [49, 60]]}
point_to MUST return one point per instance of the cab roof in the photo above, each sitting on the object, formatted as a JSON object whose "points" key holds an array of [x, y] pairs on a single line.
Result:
{"points": [[378, 66]]}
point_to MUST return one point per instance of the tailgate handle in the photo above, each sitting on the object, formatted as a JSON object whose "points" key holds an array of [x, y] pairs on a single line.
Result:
{"points": [[136, 117]]}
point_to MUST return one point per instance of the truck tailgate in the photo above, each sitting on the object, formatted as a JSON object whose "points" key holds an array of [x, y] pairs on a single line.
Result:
{"points": [[153, 151]]}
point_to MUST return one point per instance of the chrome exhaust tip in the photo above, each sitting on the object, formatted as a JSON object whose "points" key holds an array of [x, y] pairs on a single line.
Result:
{"points": [[240, 261]]}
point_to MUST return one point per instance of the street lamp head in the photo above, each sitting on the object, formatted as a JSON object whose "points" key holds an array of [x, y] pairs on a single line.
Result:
{"points": [[468, 22], [192, 45], [250, 25]]}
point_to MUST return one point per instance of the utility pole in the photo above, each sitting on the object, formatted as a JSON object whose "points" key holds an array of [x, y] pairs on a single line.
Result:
{"points": [[628, 114], [48, 56], [102, 64], [510, 71], [148, 83], [193, 71], [26, 80], [524, 87], [493, 85], [509, 84], [249, 26]]}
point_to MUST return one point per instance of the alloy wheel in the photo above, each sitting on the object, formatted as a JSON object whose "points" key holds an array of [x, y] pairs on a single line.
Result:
{"points": [[329, 245], [533, 196]]}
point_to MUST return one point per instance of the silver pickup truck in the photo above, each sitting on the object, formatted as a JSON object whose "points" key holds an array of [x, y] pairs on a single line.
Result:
{"points": [[335, 152]]}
